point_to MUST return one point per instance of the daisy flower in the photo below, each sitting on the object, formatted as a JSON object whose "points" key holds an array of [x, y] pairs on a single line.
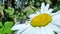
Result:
{"points": [[42, 22]]}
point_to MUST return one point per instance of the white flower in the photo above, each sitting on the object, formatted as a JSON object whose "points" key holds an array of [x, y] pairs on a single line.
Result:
{"points": [[59, 33], [43, 22]]}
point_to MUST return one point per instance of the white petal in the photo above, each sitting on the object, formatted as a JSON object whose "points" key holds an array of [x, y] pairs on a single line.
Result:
{"points": [[53, 14], [43, 31], [32, 16], [58, 12], [42, 7], [56, 21], [49, 30], [55, 28], [50, 10], [56, 16], [19, 26], [46, 8], [21, 31], [32, 31], [59, 33]]}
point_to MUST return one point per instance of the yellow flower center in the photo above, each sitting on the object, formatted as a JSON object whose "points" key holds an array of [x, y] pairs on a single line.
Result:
{"points": [[41, 20]]}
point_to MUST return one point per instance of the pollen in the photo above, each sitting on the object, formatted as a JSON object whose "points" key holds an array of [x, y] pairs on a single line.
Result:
{"points": [[41, 20]]}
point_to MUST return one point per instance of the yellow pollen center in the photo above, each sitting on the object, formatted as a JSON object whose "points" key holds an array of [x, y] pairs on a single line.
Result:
{"points": [[41, 20]]}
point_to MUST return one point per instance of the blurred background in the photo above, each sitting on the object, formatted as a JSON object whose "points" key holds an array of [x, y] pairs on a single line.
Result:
{"points": [[19, 10], [23, 8]]}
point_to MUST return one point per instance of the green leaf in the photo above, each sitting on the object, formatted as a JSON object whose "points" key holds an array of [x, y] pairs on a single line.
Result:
{"points": [[7, 30], [1, 28], [55, 32], [8, 24], [1, 31], [48, 1], [29, 10], [31, 3], [12, 16], [56, 8], [38, 4], [10, 11], [1, 24], [1, 7]]}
